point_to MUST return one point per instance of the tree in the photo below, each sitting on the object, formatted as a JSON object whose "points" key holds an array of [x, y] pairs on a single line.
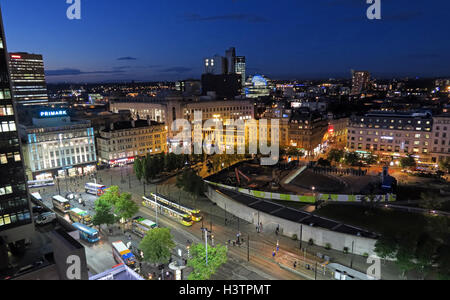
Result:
{"points": [[157, 245], [323, 162], [191, 183], [444, 165], [138, 169], [370, 159], [336, 155], [408, 162], [217, 256], [386, 247], [112, 195], [125, 207], [352, 158], [429, 200], [103, 213], [121, 203], [426, 248]]}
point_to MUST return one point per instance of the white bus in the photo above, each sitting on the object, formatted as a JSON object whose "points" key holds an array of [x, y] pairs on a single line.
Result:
{"points": [[123, 255], [141, 226], [95, 189], [60, 203], [40, 183]]}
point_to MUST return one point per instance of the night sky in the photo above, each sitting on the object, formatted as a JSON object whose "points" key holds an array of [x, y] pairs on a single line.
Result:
{"points": [[150, 40]]}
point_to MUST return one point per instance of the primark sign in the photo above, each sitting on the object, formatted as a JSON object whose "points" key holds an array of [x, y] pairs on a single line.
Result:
{"points": [[53, 113]]}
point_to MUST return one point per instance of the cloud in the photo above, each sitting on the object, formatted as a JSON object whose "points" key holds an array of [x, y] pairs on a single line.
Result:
{"points": [[176, 70], [127, 58], [75, 72], [230, 17]]}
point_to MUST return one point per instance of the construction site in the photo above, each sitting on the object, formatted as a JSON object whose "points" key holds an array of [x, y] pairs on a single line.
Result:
{"points": [[300, 179]]}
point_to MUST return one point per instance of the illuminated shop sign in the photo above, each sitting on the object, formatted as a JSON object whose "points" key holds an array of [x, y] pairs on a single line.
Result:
{"points": [[390, 138], [55, 113]]}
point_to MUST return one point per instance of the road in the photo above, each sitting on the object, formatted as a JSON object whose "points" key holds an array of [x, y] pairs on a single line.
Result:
{"points": [[261, 265]]}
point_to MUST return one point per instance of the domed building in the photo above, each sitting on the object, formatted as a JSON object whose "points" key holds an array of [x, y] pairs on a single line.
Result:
{"points": [[258, 86]]}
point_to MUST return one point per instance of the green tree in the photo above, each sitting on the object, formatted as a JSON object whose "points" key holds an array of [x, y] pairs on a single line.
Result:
{"points": [[408, 162], [352, 159], [138, 169], [125, 207], [103, 213], [191, 183], [444, 165], [428, 200], [157, 245], [217, 256], [371, 159], [336, 155], [386, 247], [112, 195]]}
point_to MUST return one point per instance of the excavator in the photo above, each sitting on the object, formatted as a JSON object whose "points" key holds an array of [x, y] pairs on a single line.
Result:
{"points": [[238, 172]]}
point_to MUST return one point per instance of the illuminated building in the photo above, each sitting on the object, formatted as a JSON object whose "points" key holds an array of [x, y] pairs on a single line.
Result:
{"points": [[307, 131], [441, 138], [257, 86], [28, 78], [123, 141], [392, 134], [241, 68], [56, 146], [360, 82], [16, 223]]}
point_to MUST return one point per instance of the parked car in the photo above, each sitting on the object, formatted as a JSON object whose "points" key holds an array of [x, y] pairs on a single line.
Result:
{"points": [[38, 210], [46, 218]]}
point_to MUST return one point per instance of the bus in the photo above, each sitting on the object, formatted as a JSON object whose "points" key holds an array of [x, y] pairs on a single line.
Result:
{"points": [[195, 213], [62, 204], [87, 233], [141, 226], [40, 183], [123, 255], [182, 217], [95, 189], [80, 216]]}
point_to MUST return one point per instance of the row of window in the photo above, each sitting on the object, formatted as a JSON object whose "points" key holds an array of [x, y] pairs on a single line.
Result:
{"points": [[8, 126], [8, 157], [14, 218]]}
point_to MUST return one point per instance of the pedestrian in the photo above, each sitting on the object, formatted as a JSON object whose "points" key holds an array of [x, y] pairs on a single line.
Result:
{"points": [[295, 265], [260, 227]]}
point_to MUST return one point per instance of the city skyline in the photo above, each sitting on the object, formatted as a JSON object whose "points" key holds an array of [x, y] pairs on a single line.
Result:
{"points": [[300, 40]]}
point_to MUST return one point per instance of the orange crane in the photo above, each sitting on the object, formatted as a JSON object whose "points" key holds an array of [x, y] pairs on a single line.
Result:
{"points": [[238, 172]]}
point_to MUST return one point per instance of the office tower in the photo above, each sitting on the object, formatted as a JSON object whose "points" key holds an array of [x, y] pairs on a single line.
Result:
{"points": [[240, 67], [28, 78], [230, 56], [360, 82], [216, 65], [15, 218]]}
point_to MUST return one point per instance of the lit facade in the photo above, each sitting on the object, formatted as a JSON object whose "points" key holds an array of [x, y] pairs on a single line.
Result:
{"points": [[393, 135], [28, 78], [124, 141], [360, 82], [55, 146], [15, 214], [441, 138], [257, 86]]}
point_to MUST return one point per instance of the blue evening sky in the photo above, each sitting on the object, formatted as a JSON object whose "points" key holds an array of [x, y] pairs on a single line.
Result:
{"points": [[150, 40]]}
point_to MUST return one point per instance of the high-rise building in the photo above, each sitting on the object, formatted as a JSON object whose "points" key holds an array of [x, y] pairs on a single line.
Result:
{"points": [[15, 217], [240, 67], [230, 56], [28, 78], [360, 82], [215, 65]]}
